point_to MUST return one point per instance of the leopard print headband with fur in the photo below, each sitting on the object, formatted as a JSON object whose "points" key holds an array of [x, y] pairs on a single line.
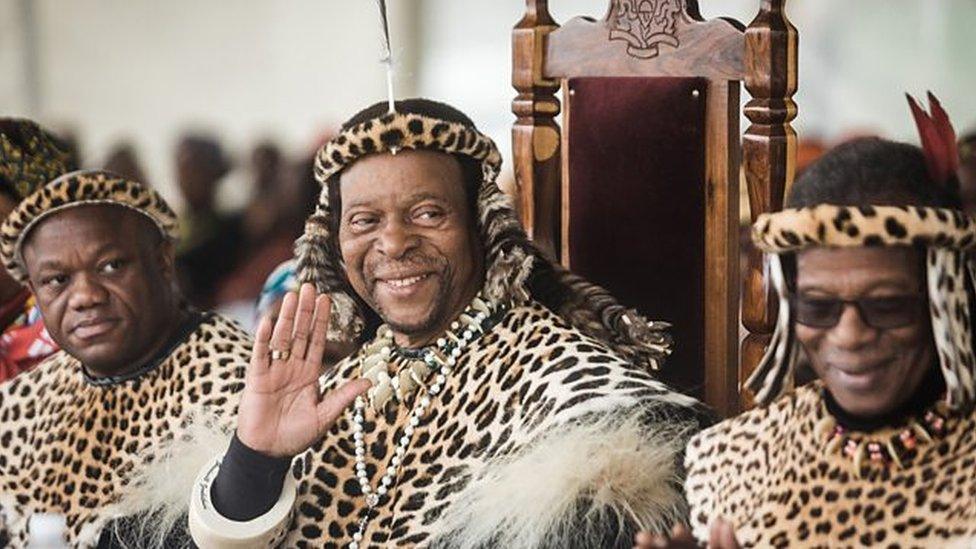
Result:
{"points": [[949, 236], [515, 269], [81, 188]]}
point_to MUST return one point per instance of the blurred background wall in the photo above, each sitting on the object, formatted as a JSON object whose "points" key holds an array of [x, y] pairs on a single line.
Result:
{"points": [[147, 71], [288, 70]]}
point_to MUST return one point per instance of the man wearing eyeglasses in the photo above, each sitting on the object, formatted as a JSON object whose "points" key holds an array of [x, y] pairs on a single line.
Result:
{"points": [[873, 263], [860, 316]]}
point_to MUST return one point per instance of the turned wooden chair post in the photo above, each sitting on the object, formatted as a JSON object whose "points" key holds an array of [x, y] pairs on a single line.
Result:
{"points": [[769, 155]]}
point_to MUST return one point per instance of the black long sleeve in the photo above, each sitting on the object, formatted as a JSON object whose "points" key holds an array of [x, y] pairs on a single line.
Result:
{"points": [[248, 483]]}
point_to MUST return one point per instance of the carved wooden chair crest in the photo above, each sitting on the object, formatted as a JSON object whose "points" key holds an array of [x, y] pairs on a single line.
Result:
{"points": [[639, 188]]}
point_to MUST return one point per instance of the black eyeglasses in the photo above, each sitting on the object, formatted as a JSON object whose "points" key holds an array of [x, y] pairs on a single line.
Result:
{"points": [[882, 313]]}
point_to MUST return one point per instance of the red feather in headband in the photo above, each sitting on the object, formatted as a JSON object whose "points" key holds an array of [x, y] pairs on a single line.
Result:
{"points": [[938, 139]]}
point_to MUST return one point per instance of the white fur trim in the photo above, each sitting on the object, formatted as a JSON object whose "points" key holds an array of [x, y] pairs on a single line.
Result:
{"points": [[9, 520], [156, 497], [565, 489], [951, 326], [773, 375], [962, 543]]}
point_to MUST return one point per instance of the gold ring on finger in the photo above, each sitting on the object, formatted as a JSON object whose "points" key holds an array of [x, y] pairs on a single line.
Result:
{"points": [[280, 355]]}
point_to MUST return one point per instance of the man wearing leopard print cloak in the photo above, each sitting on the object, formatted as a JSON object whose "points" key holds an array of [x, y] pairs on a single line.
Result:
{"points": [[509, 403], [136, 364], [873, 263]]}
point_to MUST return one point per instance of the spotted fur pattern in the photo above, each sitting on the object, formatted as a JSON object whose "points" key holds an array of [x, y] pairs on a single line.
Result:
{"points": [[768, 472], [403, 131], [948, 235], [78, 189], [68, 447], [530, 375], [852, 226], [949, 307]]}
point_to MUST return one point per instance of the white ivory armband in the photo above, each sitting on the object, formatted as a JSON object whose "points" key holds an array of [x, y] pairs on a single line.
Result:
{"points": [[211, 530]]}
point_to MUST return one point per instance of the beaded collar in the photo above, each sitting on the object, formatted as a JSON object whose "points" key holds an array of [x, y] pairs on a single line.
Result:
{"points": [[413, 368], [893, 445], [396, 373]]}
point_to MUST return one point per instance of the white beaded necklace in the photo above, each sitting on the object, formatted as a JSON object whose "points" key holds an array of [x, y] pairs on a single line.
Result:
{"points": [[440, 359]]}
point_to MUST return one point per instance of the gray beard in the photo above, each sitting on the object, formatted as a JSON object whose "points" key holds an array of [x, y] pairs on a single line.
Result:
{"points": [[434, 320]]}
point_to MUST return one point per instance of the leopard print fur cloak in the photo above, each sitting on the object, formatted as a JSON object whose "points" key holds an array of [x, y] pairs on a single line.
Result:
{"points": [[68, 447], [541, 436], [769, 473]]}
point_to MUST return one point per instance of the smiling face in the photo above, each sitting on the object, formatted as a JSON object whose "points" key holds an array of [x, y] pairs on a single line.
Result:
{"points": [[409, 241], [103, 277], [868, 371]]}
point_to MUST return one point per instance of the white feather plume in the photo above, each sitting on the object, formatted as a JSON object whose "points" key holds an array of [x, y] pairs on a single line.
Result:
{"points": [[387, 58]]}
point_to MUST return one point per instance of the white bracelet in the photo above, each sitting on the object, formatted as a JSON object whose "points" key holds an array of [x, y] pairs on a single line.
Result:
{"points": [[211, 530]]}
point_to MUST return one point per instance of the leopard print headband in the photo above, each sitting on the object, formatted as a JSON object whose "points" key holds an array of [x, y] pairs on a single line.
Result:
{"points": [[949, 237], [511, 259], [81, 188], [851, 226]]}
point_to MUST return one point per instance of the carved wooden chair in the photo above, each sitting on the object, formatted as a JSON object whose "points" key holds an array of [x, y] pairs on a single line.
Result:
{"points": [[639, 188]]}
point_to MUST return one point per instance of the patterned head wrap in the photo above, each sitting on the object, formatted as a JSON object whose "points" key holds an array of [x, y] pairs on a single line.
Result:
{"points": [[29, 157], [948, 235], [81, 188], [515, 269]]}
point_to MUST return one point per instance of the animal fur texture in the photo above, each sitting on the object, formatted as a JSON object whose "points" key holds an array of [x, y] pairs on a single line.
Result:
{"points": [[158, 496], [571, 487]]}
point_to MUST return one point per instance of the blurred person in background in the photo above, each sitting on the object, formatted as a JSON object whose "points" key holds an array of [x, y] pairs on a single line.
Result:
{"points": [[211, 241], [261, 213], [29, 158], [284, 196], [123, 160]]}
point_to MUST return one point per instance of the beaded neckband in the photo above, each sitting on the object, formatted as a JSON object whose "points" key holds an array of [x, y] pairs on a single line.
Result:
{"points": [[414, 368], [895, 449]]}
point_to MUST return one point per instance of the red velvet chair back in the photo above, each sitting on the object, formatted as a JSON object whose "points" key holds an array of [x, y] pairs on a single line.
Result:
{"points": [[622, 151], [639, 189]]}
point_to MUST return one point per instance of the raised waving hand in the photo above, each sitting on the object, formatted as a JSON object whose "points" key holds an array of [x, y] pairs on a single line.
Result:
{"points": [[283, 412]]}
